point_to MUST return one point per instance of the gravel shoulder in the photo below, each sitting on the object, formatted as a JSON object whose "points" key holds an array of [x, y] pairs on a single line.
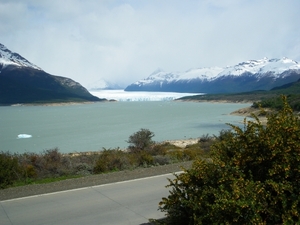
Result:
{"points": [[92, 180]]}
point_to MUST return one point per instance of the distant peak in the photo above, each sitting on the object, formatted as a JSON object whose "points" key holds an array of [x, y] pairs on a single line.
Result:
{"points": [[287, 60], [8, 57], [158, 70]]}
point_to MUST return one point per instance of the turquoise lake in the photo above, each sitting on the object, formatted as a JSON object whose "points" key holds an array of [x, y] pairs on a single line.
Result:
{"points": [[92, 127]]}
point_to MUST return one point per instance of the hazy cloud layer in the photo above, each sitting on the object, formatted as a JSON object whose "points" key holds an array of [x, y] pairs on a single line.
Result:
{"points": [[123, 41]]}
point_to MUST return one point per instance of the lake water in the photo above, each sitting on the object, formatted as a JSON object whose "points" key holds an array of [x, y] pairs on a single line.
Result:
{"points": [[92, 127]]}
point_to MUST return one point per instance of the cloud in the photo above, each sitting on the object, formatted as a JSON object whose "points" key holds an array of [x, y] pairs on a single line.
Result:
{"points": [[123, 41]]}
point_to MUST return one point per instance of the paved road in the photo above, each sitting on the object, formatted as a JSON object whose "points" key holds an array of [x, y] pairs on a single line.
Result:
{"points": [[128, 202]]}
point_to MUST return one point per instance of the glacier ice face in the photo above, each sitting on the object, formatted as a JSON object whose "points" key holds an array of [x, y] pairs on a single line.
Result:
{"points": [[121, 95], [24, 136]]}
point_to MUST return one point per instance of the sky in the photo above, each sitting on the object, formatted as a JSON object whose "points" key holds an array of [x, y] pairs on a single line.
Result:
{"points": [[124, 41]]}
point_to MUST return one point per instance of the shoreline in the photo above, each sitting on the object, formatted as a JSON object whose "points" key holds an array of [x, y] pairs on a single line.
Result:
{"points": [[181, 143], [113, 100], [216, 101], [247, 113], [56, 103]]}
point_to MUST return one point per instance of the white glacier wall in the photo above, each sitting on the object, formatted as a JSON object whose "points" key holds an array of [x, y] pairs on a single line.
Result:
{"points": [[121, 95]]}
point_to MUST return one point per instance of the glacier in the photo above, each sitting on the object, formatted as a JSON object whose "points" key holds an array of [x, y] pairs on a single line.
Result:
{"points": [[121, 95]]}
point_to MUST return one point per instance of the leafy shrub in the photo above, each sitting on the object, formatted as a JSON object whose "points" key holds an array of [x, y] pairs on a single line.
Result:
{"points": [[140, 140], [190, 154], [252, 177], [9, 169], [83, 169], [157, 149], [176, 155], [52, 159], [205, 143], [141, 158], [30, 171], [187, 154], [110, 160], [161, 160]]}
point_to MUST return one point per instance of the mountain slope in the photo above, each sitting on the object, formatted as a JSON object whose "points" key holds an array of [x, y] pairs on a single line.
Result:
{"points": [[24, 82], [252, 75], [292, 90]]}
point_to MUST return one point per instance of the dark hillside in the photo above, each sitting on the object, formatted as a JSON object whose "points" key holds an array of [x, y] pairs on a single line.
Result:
{"points": [[28, 85], [269, 99], [292, 88]]}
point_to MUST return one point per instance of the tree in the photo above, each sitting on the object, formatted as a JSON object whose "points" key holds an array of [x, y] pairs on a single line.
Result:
{"points": [[140, 140], [253, 177]]}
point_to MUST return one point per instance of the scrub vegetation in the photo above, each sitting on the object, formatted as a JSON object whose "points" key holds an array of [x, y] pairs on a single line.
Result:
{"points": [[252, 177], [246, 175], [51, 165]]}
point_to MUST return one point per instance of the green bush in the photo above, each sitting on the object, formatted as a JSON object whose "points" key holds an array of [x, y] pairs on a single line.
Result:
{"points": [[144, 159], [140, 140], [157, 149], [53, 163], [111, 160], [50, 163], [9, 169], [253, 177], [189, 153], [161, 160]]}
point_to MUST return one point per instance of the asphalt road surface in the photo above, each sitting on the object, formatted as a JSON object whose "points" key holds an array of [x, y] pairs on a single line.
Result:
{"points": [[127, 202]]}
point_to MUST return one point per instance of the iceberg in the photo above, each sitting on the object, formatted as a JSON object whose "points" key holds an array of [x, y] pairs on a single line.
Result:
{"points": [[24, 136]]}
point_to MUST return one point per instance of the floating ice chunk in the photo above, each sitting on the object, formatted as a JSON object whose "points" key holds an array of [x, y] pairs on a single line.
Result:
{"points": [[24, 136]]}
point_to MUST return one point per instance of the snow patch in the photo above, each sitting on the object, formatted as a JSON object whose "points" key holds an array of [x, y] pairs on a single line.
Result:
{"points": [[273, 66], [10, 58]]}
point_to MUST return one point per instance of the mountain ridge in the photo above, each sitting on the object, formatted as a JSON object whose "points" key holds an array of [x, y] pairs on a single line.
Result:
{"points": [[8, 57], [250, 75], [23, 82]]}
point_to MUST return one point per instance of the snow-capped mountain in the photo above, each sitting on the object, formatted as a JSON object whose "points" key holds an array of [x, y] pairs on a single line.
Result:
{"points": [[265, 65], [251, 75], [23, 82], [8, 57]]}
